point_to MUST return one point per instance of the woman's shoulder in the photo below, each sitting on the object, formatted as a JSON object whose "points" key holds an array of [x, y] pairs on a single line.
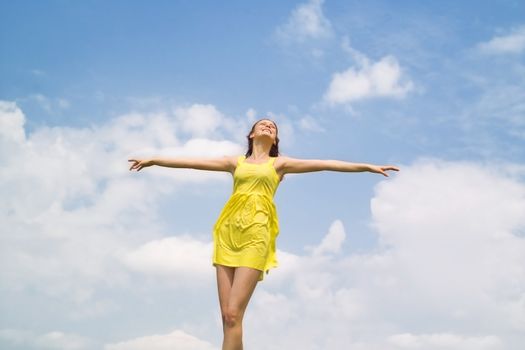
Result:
{"points": [[280, 160], [238, 159]]}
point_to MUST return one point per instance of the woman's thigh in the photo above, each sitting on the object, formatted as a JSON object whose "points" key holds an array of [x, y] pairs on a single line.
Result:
{"points": [[224, 284], [244, 282]]}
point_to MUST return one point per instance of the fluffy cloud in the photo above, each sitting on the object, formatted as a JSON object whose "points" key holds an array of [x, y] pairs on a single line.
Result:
{"points": [[383, 78], [511, 43], [443, 341], [23, 339], [200, 120], [179, 257], [47, 104], [70, 206], [493, 118], [11, 125], [449, 272], [309, 123], [307, 22], [174, 340], [499, 106], [332, 242], [457, 241], [367, 79]]}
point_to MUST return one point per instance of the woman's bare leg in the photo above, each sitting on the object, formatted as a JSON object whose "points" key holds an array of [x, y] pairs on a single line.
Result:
{"points": [[244, 282], [224, 286]]}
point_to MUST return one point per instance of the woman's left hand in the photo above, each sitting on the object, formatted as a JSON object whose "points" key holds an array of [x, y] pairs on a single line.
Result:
{"points": [[382, 169]]}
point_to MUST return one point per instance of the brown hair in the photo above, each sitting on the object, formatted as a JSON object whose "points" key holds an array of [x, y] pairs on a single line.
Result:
{"points": [[274, 151]]}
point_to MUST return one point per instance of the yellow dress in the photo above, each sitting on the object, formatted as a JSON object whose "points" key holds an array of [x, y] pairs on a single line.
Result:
{"points": [[246, 230]]}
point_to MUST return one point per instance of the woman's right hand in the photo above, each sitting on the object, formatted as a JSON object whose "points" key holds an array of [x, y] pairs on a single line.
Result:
{"points": [[140, 163]]}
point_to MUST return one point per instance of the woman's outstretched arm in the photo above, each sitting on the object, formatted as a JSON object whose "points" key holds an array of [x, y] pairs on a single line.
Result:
{"points": [[216, 164], [286, 165]]}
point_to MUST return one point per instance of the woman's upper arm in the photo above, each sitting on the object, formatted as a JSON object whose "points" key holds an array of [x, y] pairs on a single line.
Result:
{"points": [[226, 163], [294, 165]]}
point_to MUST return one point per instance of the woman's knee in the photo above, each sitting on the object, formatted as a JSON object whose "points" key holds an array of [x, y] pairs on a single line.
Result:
{"points": [[232, 317]]}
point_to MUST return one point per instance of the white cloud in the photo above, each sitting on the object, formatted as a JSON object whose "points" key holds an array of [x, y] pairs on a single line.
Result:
{"points": [[307, 22], [251, 115], [60, 340], [38, 72], [499, 106], [51, 340], [443, 341], [449, 272], [175, 340], [43, 101], [511, 43], [48, 104], [333, 240], [12, 122], [69, 202], [367, 79], [176, 257], [456, 225], [63, 103], [310, 124], [383, 78], [201, 120], [452, 257]]}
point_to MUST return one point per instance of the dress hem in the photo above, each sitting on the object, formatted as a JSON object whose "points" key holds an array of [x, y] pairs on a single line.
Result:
{"points": [[263, 272]]}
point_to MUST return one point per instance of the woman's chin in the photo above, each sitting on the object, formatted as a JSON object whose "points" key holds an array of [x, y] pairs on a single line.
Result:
{"points": [[266, 136]]}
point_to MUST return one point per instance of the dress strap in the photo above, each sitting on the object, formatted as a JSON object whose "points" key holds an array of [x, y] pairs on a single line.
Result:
{"points": [[240, 159], [272, 159]]}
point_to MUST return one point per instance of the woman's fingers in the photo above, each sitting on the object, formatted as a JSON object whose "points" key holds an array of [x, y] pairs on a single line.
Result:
{"points": [[383, 169], [135, 165], [391, 167], [139, 163]]}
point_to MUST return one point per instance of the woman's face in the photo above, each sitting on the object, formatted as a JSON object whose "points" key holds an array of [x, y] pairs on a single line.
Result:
{"points": [[266, 128]]}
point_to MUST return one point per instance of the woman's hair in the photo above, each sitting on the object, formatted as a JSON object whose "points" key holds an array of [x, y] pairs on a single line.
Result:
{"points": [[274, 151]]}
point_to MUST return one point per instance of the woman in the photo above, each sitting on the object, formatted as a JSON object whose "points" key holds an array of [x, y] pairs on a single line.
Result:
{"points": [[244, 235]]}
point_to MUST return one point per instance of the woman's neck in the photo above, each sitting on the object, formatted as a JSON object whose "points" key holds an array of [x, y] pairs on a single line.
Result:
{"points": [[260, 150]]}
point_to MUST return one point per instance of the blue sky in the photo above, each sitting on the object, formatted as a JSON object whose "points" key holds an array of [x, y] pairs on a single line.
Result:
{"points": [[94, 256]]}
